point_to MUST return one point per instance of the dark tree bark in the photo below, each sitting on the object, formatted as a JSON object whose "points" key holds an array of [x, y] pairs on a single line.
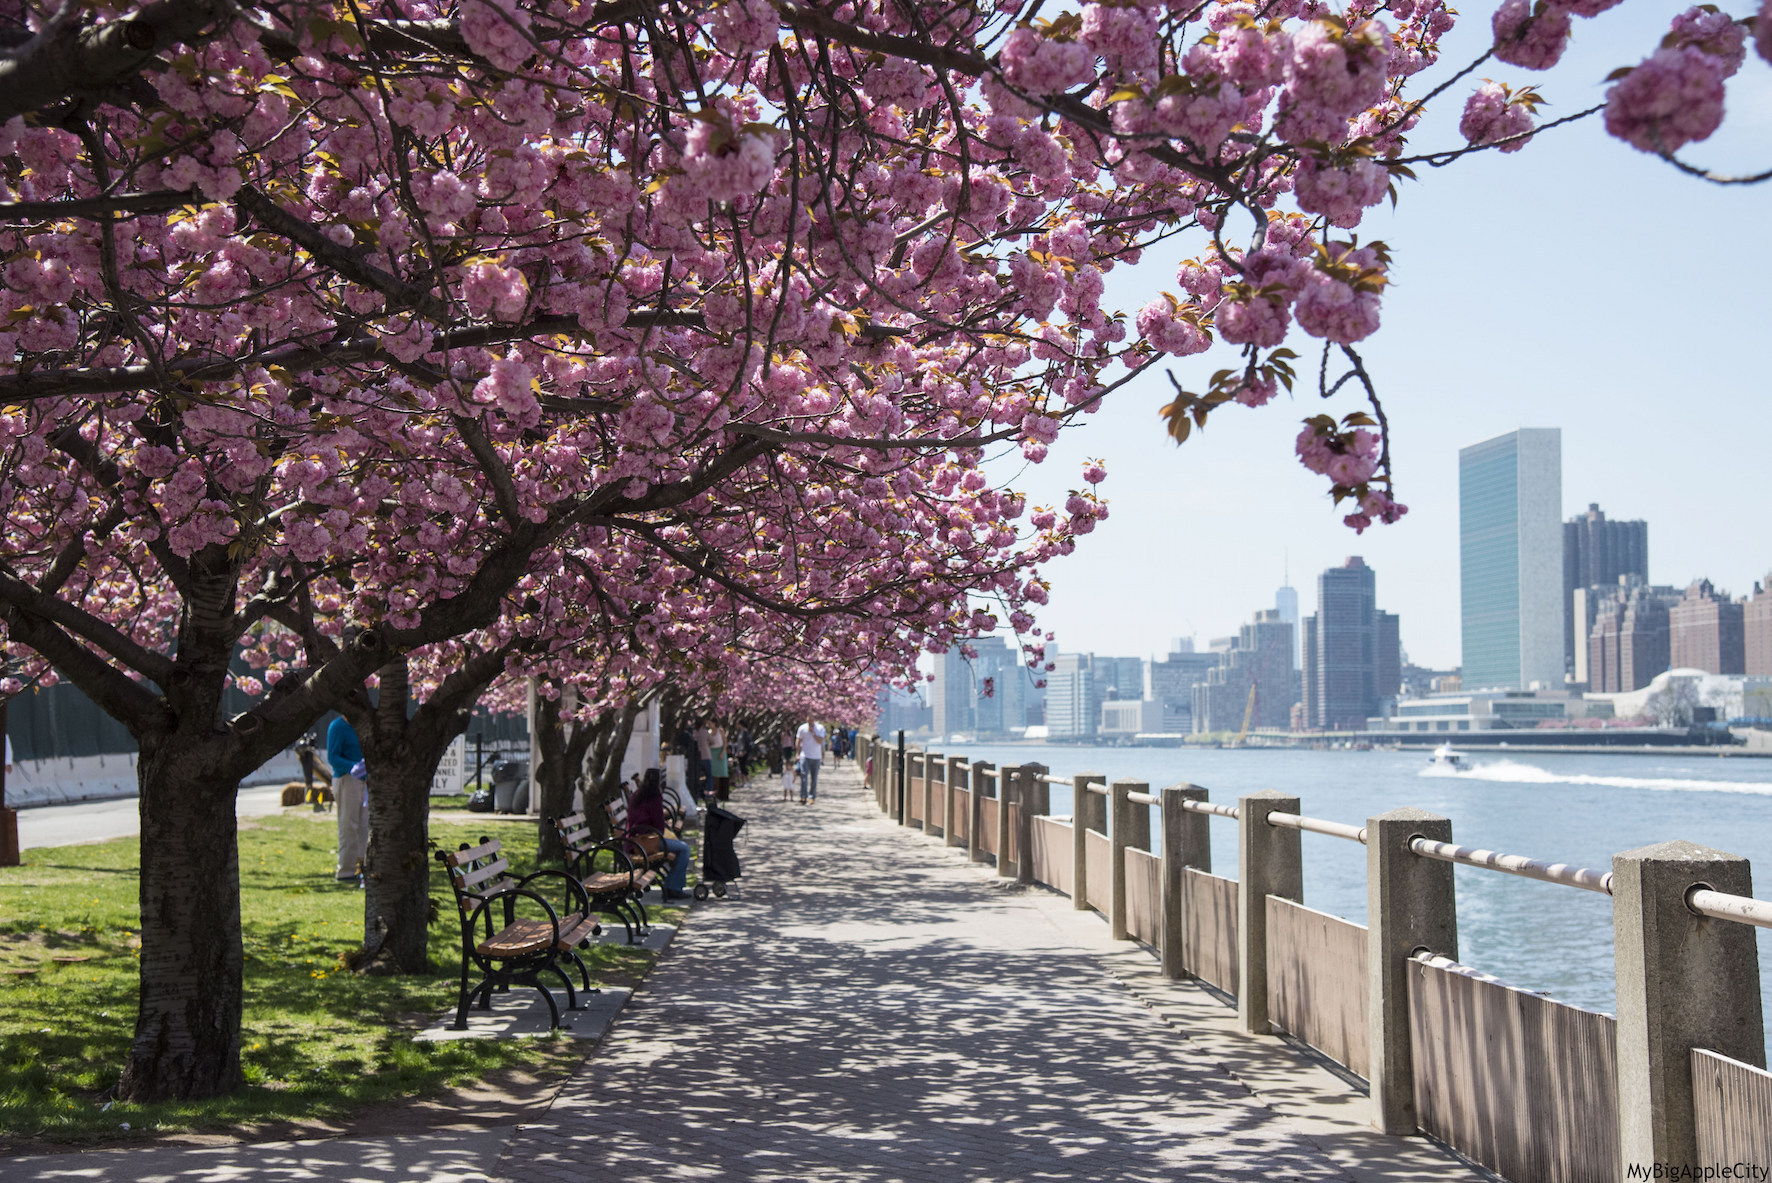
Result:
{"points": [[403, 747], [187, 1027], [608, 744], [558, 750]]}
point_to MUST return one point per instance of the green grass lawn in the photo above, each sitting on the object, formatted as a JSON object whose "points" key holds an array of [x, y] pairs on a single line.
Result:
{"points": [[318, 1042]]}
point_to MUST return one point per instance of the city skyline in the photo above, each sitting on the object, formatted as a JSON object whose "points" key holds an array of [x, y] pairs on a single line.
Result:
{"points": [[1200, 535]]}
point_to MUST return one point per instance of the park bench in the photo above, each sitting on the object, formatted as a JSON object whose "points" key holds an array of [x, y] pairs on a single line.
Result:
{"points": [[615, 873], [518, 949], [676, 817]]}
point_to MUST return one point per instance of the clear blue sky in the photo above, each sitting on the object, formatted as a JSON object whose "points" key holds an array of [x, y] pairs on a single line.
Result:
{"points": [[1576, 284]]}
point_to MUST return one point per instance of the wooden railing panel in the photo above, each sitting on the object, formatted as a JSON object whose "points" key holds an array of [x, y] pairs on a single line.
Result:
{"points": [[1317, 980], [1525, 1085], [1052, 854], [1209, 930], [962, 814], [987, 823], [1097, 854], [1731, 1109], [1144, 895]]}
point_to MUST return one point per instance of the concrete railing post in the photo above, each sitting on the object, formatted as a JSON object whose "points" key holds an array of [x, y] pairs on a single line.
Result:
{"points": [[1269, 863], [1027, 797], [900, 775], [1186, 843], [975, 810], [1409, 906], [957, 772], [1123, 831], [1684, 981], [931, 761], [1007, 778], [1039, 788], [1083, 819]]}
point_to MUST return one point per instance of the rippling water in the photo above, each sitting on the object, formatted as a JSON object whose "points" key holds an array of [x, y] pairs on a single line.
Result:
{"points": [[1577, 809]]}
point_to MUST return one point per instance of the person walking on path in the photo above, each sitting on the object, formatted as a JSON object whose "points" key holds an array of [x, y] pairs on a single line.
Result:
{"points": [[646, 810], [350, 796], [717, 757], [810, 739], [305, 753]]}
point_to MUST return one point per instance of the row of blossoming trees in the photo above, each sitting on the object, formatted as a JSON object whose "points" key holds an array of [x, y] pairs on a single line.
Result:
{"points": [[638, 346]]}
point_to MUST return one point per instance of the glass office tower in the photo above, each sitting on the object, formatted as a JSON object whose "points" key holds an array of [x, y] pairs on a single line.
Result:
{"points": [[1510, 499]]}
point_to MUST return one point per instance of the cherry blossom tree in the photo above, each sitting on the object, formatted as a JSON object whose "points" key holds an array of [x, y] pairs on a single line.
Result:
{"points": [[366, 314]]}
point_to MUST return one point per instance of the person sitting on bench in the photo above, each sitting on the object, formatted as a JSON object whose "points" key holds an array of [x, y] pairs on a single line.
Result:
{"points": [[646, 809]]}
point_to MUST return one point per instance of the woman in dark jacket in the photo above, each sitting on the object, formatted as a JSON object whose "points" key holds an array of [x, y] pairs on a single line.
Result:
{"points": [[646, 809]]}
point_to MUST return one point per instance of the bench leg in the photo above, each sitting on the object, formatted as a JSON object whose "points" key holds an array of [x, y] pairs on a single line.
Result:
{"points": [[571, 994], [553, 1007], [464, 996]]}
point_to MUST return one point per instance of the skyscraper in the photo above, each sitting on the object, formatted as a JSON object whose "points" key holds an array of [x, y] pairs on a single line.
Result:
{"points": [[1171, 683], [1286, 604], [1073, 709], [982, 695], [1596, 551], [1628, 643], [950, 695], [1352, 654], [1260, 662], [1510, 492], [1756, 629], [1705, 632]]}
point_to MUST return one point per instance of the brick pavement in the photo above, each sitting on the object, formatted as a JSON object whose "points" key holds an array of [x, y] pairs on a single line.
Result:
{"points": [[875, 1008]]}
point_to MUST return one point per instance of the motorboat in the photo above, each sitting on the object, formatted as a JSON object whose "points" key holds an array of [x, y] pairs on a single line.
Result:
{"points": [[1445, 756]]}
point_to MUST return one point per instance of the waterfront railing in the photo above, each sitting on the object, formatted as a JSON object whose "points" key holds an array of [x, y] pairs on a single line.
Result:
{"points": [[1532, 1088]]}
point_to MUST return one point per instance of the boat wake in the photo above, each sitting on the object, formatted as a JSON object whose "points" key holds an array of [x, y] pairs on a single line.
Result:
{"points": [[1516, 773]]}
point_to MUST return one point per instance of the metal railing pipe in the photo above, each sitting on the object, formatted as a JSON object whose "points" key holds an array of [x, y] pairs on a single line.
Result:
{"points": [[1144, 799], [1317, 825], [1229, 811], [1515, 864], [1723, 906]]}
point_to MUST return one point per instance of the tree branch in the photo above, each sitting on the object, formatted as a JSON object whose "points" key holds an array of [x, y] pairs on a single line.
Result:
{"points": [[154, 202], [72, 60]]}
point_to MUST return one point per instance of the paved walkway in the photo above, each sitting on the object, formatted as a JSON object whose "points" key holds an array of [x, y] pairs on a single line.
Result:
{"points": [[871, 1007], [875, 1008], [100, 821]]}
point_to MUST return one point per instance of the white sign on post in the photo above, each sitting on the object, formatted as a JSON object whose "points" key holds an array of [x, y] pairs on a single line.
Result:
{"points": [[452, 769]]}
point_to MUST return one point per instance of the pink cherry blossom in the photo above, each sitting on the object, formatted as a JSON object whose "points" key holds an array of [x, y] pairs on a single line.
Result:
{"points": [[1341, 194], [1042, 65], [1490, 115], [1159, 325], [1531, 33], [1672, 99]]}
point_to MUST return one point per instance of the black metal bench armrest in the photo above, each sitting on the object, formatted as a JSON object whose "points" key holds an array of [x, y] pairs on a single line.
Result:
{"points": [[574, 889]]}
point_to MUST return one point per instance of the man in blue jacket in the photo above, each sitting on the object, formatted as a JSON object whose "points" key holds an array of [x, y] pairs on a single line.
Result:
{"points": [[351, 793]]}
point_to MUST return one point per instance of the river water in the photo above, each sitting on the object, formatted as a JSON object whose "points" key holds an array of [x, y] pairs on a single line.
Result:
{"points": [[1578, 809]]}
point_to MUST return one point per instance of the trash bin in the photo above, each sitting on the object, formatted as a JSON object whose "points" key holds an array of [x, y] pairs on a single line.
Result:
{"points": [[510, 786]]}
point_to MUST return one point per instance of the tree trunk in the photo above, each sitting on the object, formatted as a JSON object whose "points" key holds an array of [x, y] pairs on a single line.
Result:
{"points": [[397, 874], [608, 743], [187, 1026], [403, 752], [559, 750]]}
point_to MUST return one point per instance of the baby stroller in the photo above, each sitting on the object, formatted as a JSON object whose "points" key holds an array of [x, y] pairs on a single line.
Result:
{"points": [[719, 862]]}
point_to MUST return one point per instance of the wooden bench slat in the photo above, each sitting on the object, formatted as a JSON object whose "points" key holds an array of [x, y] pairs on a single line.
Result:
{"points": [[473, 853], [492, 870]]}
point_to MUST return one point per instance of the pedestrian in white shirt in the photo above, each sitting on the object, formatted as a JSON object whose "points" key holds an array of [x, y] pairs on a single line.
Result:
{"points": [[810, 741]]}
